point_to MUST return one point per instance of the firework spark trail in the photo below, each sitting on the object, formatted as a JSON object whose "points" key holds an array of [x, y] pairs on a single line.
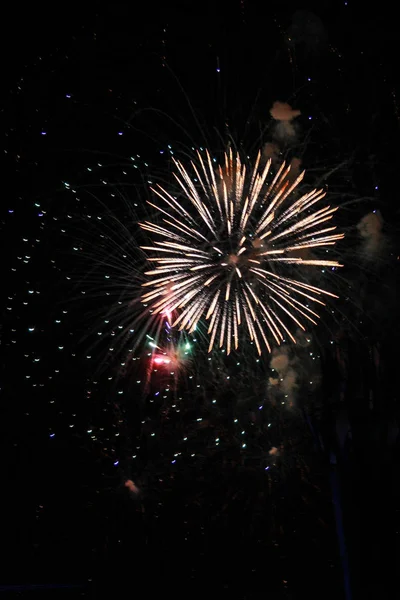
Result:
{"points": [[227, 248]]}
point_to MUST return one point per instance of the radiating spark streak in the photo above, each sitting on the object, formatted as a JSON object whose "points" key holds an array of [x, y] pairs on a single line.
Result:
{"points": [[276, 287], [289, 260], [241, 177], [328, 241], [196, 316], [255, 298], [223, 326], [261, 179], [193, 233], [175, 263], [235, 329], [207, 283], [163, 279], [161, 231], [225, 198], [251, 222], [290, 188], [248, 323], [310, 221], [243, 214], [157, 249], [186, 230], [275, 179], [229, 331], [215, 194], [288, 313], [200, 267], [160, 270], [298, 207], [213, 304], [304, 294], [283, 326], [214, 318], [293, 304], [176, 297], [301, 261], [172, 303], [326, 238], [152, 295], [213, 334], [186, 316], [189, 281], [171, 202], [264, 337], [321, 263], [301, 284], [201, 208], [237, 306], [264, 223], [268, 252], [317, 233], [187, 297], [254, 193], [272, 325], [255, 170], [183, 247], [292, 288], [253, 314], [252, 332]]}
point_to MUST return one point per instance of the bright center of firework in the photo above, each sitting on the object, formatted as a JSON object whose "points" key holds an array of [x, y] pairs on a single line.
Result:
{"points": [[244, 258], [233, 247]]}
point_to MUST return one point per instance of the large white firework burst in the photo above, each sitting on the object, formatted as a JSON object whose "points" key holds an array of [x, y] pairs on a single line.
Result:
{"points": [[229, 250]]}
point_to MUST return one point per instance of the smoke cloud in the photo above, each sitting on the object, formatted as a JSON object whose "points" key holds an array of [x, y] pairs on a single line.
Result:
{"points": [[284, 114], [294, 368], [370, 228], [284, 380], [131, 487]]}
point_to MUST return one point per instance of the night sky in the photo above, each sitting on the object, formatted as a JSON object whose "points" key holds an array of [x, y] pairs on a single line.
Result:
{"points": [[238, 496]]}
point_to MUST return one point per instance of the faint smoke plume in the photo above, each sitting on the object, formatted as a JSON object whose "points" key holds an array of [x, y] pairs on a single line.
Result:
{"points": [[289, 383], [294, 368], [284, 114], [271, 151], [308, 32], [284, 379], [131, 486], [280, 361], [370, 229], [281, 111], [295, 165]]}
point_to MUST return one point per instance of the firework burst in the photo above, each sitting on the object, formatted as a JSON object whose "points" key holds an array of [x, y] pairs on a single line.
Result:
{"points": [[231, 247]]}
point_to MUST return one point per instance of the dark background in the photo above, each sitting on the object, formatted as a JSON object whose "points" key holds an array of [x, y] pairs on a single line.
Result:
{"points": [[92, 100]]}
